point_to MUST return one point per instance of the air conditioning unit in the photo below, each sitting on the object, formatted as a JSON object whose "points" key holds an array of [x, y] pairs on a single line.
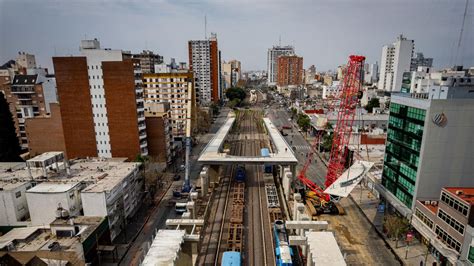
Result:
{"points": [[459, 192], [434, 203], [427, 202]]}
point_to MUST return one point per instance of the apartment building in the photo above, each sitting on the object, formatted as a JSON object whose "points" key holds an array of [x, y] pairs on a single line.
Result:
{"points": [[232, 73], [175, 87], [290, 71], [159, 132], [102, 106], [419, 60], [396, 59], [205, 63], [272, 61], [428, 140], [446, 224], [95, 187], [148, 60], [423, 78]]}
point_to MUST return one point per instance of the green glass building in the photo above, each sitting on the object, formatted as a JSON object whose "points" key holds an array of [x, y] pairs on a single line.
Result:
{"points": [[402, 153]]}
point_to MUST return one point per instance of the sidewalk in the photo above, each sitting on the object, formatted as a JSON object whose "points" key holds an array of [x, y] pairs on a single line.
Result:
{"points": [[368, 203]]}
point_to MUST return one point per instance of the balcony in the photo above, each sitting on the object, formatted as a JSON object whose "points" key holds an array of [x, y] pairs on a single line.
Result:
{"points": [[23, 89]]}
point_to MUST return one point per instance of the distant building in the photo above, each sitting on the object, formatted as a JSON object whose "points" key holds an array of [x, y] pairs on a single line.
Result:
{"points": [[25, 61], [290, 70], [396, 59], [232, 73], [29, 96], [332, 91], [371, 73], [429, 143], [423, 78], [420, 61], [175, 87], [204, 62], [159, 132], [102, 106], [310, 75], [340, 72], [446, 222], [148, 60], [272, 61]]}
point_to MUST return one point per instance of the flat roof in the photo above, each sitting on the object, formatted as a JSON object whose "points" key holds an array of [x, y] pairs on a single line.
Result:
{"points": [[11, 184], [165, 247], [99, 173], [466, 193], [45, 156], [20, 233], [52, 187], [212, 155], [324, 249]]}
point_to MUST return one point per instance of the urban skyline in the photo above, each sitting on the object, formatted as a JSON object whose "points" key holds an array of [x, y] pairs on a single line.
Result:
{"points": [[59, 26]]}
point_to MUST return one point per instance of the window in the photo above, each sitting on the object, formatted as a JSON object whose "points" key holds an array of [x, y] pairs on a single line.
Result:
{"points": [[447, 239], [17, 194], [455, 204], [427, 221], [451, 221]]}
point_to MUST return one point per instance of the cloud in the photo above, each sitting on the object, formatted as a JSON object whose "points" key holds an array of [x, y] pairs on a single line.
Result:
{"points": [[323, 32]]}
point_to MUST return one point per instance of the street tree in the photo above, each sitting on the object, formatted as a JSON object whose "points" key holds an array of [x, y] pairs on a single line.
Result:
{"points": [[373, 103]]}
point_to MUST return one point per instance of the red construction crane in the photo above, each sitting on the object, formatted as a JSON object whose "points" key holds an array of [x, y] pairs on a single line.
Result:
{"points": [[348, 100]]}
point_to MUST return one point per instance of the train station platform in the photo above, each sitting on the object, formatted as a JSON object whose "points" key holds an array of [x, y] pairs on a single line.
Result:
{"points": [[212, 154]]}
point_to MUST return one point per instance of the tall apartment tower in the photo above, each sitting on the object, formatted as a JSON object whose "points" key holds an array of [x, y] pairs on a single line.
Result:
{"points": [[232, 73], [429, 143], [102, 106], [290, 70], [204, 61], [396, 59], [272, 61]]}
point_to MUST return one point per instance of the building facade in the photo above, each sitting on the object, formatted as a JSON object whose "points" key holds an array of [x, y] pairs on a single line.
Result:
{"points": [[424, 130], [102, 106], [232, 73], [148, 60], [272, 61], [176, 88], [290, 71], [446, 224], [159, 132], [420, 61], [204, 62], [396, 59]]}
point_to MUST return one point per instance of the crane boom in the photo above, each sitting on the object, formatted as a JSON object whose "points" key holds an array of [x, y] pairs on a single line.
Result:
{"points": [[348, 100]]}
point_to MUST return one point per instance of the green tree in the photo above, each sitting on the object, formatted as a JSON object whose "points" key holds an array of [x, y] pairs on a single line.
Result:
{"points": [[373, 103], [234, 103], [10, 149], [235, 93], [396, 226], [304, 122], [293, 112], [215, 109], [326, 142]]}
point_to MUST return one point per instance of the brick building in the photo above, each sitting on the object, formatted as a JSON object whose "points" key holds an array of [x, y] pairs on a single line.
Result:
{"points": [[290, 70], [159, 133]]}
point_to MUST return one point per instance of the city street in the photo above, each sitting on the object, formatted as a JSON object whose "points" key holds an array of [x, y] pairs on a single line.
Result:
{"points": [[355, 235]]}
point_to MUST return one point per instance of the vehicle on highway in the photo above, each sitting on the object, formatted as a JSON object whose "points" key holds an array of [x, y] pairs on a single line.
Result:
{"points": [[231, 258]]}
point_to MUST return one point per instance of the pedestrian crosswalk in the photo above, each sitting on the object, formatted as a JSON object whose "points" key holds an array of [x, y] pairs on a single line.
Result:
{"points": [[302, 147]]}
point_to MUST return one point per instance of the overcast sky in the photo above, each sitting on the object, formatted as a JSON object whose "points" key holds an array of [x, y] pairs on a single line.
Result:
{"points": [[323, 32]]}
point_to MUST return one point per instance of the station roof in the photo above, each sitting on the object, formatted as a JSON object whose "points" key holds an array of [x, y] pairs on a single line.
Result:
{"points": [[324, 249], [212, 155], [345, 183], [165, 248]]}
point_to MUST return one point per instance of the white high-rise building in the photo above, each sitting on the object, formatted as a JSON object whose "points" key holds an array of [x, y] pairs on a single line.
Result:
{"points": [[272, 61], [396, 59]]}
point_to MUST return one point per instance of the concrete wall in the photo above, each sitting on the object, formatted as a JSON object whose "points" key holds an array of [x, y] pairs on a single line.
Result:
{"points": [[13, 209], [447, 153], [94, 204], [43, 206]]}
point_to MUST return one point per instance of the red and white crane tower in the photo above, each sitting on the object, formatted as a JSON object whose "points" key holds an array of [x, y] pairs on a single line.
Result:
{"points": [[348, 100]]}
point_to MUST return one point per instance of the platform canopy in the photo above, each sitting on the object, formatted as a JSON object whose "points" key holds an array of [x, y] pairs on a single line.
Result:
{"points": [[212, 154], [344, 185], [165, 248]]}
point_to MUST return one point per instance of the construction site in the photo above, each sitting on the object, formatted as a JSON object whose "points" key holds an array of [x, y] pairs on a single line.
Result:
{"points": [[254, 203]]}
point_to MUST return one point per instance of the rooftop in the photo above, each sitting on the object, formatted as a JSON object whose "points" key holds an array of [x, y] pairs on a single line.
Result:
{"points": [[464, 193], [324, 249], [21, 80], [52, 187]]}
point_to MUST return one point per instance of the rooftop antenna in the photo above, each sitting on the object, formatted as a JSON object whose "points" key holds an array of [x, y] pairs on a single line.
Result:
{"points": [[205, 27], [461, 33], [279, 40]]}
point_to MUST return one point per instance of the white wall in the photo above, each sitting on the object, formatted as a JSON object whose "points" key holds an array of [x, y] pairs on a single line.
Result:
{"points": [[447, 153], [94, 203], [43, 206], [12, 209]]}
